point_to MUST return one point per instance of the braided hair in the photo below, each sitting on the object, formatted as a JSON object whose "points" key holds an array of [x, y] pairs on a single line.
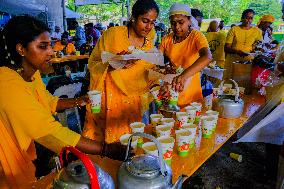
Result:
{"points": [[19, 30]]}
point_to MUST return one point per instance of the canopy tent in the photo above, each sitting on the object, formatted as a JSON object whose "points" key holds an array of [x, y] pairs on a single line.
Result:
{"points": [[17, 7], [71, 14], [94, 2]]}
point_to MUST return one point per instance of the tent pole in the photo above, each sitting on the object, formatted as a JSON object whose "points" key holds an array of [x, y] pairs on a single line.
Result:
{"points": [[64, 16], [122, 9], [128, 9]]}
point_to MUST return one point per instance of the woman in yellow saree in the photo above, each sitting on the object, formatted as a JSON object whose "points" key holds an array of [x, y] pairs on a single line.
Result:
{"points": [[186, 48], [27, 108], [125, 92], [240, 42]]}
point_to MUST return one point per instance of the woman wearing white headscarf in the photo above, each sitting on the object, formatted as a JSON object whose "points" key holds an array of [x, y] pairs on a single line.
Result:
{"points": [[187, 48]]}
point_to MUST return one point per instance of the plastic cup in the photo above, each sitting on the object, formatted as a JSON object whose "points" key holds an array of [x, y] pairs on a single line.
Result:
{"points": [[155, 92], [156, 119], [193, 129], [191, 111], [68, 73], [77, 53], [215, 92], [95, 97], [167, 144], [138, 127], [208, 101], [174, 97], [124, 140], [207, 126], [163, 130], [183, 138], [198, 106], [182, 117], [168, 121], [214, 114], [150, 148]]}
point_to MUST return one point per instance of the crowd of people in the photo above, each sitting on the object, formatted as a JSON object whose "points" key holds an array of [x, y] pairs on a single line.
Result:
{"points": [[27, 47]]}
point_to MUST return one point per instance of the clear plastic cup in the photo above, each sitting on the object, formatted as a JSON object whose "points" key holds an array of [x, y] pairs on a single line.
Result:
{"points": [[242, 91], [155, 92], [207, 126], [174, 97], [150, 148], [163, 130], [95, 98], [168, 121], [191, 111], [124, 140], [183, 138], [156, 119], [208, 101], [193, 129], [182, 118], [214, 114], [198, 106], [138, 127], [167, 144]]}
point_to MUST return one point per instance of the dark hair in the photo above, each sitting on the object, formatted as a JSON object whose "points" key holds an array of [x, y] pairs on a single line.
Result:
{"points": [[141, 7], [91, 25], [19, 30], [196, 12], [245, 12]]}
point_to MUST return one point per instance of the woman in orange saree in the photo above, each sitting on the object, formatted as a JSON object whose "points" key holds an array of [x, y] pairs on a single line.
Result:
{"points": [[186, 48]]}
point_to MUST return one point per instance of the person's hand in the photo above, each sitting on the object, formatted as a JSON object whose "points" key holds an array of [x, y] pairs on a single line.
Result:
{"points": [[241, 53], [129, 63], [83, 100], [115, 151], [178, 83], [280, 67], [165, 91]]}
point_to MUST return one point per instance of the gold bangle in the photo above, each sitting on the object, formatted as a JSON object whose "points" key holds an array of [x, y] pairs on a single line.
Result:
{"points": [[76, 102]]}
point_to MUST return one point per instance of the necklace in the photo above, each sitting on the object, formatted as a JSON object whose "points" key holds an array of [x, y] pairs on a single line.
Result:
{"points": [[175, 38], [145, 39]]}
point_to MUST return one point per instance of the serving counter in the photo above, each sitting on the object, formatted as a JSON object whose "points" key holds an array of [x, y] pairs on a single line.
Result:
{"points": [[203, 150]]}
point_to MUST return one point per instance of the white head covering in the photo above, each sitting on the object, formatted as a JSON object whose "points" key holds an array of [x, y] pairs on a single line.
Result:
{"points": [[178, 8]]}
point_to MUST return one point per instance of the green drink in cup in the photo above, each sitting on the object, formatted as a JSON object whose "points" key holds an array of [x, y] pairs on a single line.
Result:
{"points": [[174, 97], [155, 92], [167, 144], [193, 129], [138, 127], [183, 137], [207, 126], [95, 98]]}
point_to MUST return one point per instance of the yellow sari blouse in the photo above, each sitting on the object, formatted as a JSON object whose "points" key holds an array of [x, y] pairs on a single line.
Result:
{"points": [[26, 110], [184, 54], [125, 92]]}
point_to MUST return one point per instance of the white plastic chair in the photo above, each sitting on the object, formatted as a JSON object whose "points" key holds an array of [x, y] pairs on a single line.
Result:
{"points": [[70, 91]]}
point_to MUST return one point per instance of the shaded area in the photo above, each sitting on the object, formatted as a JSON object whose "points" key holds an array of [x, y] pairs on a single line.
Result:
{"points": [[226, 173]]}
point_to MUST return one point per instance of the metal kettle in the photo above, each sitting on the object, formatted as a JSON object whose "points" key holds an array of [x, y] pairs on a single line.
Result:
{"points": [[229, 106], [82, 174], [146, 171]]}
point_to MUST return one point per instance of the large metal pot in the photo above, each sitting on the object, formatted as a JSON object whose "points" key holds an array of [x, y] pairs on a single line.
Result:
{"points": [[229, 106], [83, 174], [146, 171]]}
